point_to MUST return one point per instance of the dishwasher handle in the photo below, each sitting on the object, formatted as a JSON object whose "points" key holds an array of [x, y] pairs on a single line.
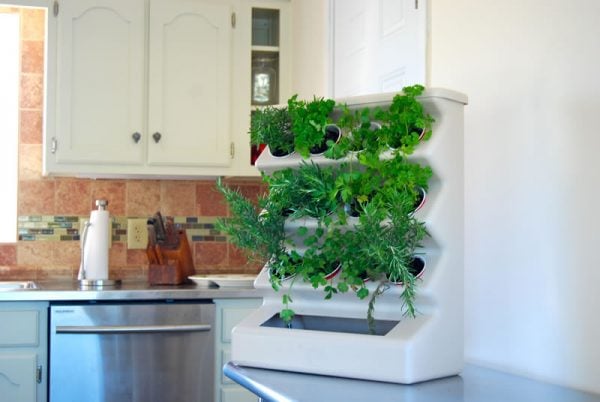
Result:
{"points": [[130, 329]]}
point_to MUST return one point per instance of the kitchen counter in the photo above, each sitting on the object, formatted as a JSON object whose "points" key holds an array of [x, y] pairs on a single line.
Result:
{"points": [[128, 290], [475, 384]]}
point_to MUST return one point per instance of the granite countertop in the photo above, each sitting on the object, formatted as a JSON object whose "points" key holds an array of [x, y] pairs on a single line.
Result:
{"points": [[474, 384], [127, 290]]}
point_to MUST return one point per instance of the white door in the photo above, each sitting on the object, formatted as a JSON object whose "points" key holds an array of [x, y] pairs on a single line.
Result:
{"points": [[189, 87], [100, 82], [378, 46]]}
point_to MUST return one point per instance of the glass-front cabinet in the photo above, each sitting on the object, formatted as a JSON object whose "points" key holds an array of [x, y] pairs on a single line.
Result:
{"points": [[270, 70]]}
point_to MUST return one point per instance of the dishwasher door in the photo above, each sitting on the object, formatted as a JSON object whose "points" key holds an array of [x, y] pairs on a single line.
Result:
{"points": [[132, 352]]}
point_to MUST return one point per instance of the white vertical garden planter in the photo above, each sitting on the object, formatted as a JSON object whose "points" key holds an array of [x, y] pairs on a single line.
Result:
{"points": [[329, 336]]}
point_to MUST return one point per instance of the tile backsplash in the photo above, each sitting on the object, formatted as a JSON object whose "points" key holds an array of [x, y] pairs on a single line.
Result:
{"points": [[50, 208]]}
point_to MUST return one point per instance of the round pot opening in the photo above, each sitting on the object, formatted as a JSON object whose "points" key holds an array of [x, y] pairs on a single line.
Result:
{"points": [[283, 276], [395, 143], [335, 269], [332, 133], [420, 200], [278, 153], [416, 268]]}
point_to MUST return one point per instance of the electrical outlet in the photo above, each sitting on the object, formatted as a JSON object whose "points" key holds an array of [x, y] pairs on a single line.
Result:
{"points": [[137, 233]]}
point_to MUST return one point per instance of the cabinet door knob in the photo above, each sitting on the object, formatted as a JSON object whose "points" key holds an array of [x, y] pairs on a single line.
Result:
{"points": [[156, 137], [136, 137]]}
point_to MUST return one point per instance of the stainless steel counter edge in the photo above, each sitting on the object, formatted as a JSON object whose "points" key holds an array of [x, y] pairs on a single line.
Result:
{"points": [[53, 291], [475, 384]]}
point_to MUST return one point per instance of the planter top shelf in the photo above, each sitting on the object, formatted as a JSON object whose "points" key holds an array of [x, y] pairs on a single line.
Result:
{"points": [[267, 163]]}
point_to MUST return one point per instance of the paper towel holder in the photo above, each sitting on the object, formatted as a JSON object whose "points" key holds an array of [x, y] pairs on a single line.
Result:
{"points": [[94, 283]]}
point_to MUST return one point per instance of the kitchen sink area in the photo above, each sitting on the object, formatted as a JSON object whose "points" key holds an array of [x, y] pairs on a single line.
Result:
{"points": [[18, 285]]}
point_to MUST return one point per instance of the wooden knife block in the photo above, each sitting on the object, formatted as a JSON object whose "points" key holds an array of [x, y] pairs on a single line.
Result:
{"points": [[177, 263]]}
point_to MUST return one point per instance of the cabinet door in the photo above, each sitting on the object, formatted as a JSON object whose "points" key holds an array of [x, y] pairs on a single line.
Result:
{"points": [[189, 86], [100, 82], [17, 376]]}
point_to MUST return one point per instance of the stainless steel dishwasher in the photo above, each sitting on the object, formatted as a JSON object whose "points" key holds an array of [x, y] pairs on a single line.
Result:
{"points": [[109, 352]]}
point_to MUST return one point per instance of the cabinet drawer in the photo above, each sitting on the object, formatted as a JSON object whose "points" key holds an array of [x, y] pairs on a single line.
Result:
{"points": [[19, 328], [230, 318]]}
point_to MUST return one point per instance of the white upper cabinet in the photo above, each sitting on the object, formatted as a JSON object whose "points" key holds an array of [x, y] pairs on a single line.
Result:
{"points": [[100, 82], [152, 88], [190, 83]]}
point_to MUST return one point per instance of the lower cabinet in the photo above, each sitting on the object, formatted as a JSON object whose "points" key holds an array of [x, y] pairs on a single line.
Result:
{"points": [[229, 312], [23, 351]]}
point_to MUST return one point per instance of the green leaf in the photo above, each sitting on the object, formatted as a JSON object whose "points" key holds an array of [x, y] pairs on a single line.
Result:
{"points": [[362, 293], [286, 315]]}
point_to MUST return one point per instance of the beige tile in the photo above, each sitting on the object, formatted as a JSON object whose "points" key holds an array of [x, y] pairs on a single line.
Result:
{"points": [[8, 254], [30, 127], [73, 197], [17, 273], [30, 162], [32, 91], [143, 198], [137, 258], [117, 255], [137, 272], [178, 198], [111, 190], [209, 201], [237, 257], [32, 56], [36, 197], [210, 255], [55, 272], [35, 254], [67, 253], [33, 26]]}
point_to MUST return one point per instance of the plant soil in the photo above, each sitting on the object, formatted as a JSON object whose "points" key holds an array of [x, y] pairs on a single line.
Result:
{"points": [[332, 133]]}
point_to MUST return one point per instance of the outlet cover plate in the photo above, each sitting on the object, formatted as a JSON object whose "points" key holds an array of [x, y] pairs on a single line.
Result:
{"points": [[137, 233]]}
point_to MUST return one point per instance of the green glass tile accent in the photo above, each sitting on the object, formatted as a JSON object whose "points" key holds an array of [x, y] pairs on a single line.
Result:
{"points": [[180, 219], [67, 228]]}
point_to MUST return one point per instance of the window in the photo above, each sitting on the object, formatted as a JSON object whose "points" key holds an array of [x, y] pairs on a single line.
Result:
{"points": [[9, 123]]}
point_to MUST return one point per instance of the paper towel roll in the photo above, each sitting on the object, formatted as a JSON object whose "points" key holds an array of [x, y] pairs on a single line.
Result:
{"points": [[95, 246]]}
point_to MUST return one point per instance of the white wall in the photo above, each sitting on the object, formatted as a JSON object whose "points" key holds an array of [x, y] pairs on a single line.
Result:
{"points": [[531, 70], [310, 49]]}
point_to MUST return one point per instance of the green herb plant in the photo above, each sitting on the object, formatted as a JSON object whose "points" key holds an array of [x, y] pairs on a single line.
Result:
{"points": [[379, 244], [309, 122], [405, 123], [272, 126]]}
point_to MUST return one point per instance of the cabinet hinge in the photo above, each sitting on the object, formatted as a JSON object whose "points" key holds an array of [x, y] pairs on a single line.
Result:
{"points": [[53, 145], [38, 374], [55, 8], [416, 4], [233, 20], [232, 150]]}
